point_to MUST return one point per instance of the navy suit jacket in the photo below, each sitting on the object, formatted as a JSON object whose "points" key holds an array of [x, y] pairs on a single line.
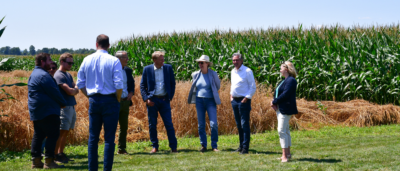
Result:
{"points": [[287, 97], [148, 82], [130, 81]]}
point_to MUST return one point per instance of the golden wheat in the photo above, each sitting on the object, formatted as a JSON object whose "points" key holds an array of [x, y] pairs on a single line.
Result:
{"points": [[16, 130]]}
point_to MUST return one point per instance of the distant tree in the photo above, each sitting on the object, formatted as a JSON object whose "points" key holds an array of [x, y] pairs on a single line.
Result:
{"points": [[63, 50], [54, 51], [25, 52], [15, 51], [32, 50], [6, 50], [38, 51], [45, 50]]}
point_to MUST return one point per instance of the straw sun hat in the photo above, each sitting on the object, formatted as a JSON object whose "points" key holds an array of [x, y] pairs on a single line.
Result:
{"points": [[204, 58]]}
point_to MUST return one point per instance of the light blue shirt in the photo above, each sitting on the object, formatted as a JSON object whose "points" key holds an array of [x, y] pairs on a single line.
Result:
{"points": [[203, 86], [100, 73], [160, 87], [125, 81]]}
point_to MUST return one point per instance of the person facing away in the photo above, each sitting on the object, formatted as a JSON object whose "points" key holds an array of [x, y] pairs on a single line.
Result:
{"points": [[157, 88], [67, 115], [100, 79], [284, 104], [243, 87], [126, 100], [44, 103], [204, 93]]}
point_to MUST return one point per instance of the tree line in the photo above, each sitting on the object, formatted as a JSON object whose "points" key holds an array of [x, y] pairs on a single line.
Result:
{"points": [[7, 50]]}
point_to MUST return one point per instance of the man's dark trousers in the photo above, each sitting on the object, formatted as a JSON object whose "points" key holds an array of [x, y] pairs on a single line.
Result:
{"points": [[242, 118], [47, 127], [123, 124], [164, 107], [103, 110]]}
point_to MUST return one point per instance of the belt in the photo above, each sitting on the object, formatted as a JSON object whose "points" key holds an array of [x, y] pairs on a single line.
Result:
{"points": [[98, 94], [160, 97], [238, 98]]}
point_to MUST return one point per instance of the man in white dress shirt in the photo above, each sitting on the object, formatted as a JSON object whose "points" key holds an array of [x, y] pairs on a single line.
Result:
{"points": [[243, 88], [100, 79]]}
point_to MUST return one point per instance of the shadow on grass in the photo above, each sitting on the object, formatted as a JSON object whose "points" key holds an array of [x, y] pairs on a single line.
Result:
{"points": [[318, 160], [163, 152], [251, 151]]}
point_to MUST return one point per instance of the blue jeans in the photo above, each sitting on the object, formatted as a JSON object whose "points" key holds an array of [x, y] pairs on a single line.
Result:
{"points": [[242, 118], [209, 105], [163, 107], [103, 110]]}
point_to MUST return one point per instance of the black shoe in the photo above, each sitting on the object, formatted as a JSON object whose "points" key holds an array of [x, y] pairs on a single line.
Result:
{"points": [[238, 150], [59, 158], [203, 149], [244, 151]]}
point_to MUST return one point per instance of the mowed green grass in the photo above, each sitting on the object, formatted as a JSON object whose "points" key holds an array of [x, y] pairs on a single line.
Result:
{"points": [[330, 148]]}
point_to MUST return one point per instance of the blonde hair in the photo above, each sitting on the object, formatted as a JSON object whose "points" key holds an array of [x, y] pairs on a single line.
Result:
{"points": [[291, 70], [157, 54]]}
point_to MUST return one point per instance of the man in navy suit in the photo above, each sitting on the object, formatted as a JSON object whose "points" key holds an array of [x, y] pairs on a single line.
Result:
{"points": [[158, 88]]}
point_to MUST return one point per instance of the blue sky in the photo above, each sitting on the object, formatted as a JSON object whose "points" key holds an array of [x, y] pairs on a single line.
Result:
{"points": [[76, 23]]}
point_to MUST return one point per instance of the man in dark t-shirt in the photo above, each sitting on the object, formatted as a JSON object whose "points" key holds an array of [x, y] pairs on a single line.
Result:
{"points": [[68, 115]]}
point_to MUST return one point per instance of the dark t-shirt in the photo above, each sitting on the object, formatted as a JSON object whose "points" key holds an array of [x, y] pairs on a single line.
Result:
{"points": [[65, 77]]}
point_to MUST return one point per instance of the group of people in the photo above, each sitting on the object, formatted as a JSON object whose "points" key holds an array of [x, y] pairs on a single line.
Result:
{"points": [[108, 84]]}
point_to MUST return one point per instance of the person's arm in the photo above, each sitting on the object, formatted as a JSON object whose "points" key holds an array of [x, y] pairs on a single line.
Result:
{"points": [[51, 89], [81, 80], [143, 85], [131, 83], [290, 87], [217, 81], [252, 86], [173, 82], [70, 91], [84, 92], [117, 79]]}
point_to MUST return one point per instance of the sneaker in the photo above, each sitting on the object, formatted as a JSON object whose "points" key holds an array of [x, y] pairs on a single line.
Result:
{"points": [[65, 156], [203, 149], [59, 158]]}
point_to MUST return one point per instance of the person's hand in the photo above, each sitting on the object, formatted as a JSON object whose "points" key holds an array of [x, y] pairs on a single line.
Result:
{"points": [[62, 107], [244, 100], [231, 98], [149, 102], [274, 106], [130, 96]]}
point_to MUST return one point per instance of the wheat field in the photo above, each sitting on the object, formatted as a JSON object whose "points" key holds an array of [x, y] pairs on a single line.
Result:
{"points": [[16, 130]]}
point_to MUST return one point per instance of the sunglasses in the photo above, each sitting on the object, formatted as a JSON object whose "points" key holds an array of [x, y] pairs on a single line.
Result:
{"points": [[201, 63], [53, 68], [70, 63]]}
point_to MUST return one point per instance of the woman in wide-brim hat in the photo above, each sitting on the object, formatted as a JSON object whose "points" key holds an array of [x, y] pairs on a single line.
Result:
{"points": [[204, 93]]}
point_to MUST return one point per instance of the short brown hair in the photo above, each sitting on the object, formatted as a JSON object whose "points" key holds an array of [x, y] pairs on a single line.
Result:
{"points": [[157, 54], [41, 57], [64, 57], [103, 41]]}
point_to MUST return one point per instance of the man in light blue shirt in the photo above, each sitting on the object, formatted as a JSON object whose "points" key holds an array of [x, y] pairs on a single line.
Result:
{"points": [[100, 79]]}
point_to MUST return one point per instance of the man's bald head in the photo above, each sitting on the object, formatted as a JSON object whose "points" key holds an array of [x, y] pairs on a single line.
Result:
{"points": [[103, 41]]}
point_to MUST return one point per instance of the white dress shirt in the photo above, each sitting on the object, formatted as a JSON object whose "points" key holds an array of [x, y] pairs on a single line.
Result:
{"points": [[125, 83], [160, 88], [100, 73], [242, 82]]}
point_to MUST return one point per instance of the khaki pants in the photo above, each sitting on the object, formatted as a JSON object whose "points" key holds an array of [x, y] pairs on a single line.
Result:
{"points": [[283, 129]]}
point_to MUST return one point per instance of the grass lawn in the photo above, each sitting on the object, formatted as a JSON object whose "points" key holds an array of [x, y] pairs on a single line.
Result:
{"points": [[330, 148]]}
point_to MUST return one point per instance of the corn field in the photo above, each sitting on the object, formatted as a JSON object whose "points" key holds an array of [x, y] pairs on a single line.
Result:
{"points": [[333, 63]]}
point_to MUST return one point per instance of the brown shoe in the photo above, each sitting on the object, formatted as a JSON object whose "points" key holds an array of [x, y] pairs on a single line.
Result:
{"points": [[154, 150], [174, 151], [37, 163], [215, 150], [122, 151], [50, 164]]}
